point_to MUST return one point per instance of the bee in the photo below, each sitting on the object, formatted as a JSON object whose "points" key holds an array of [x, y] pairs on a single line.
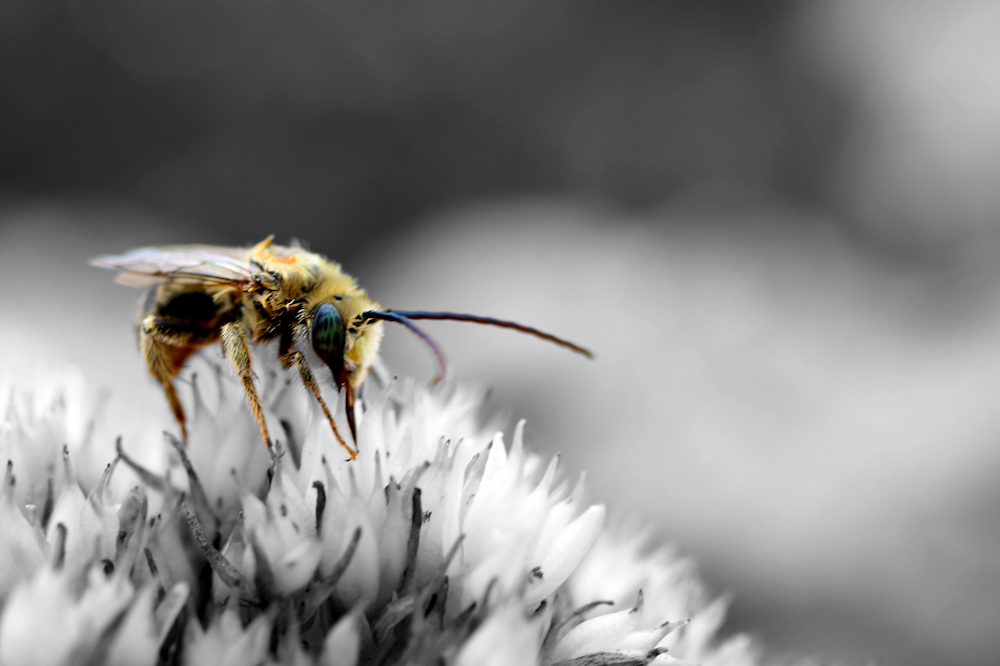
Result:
{"points": [[198, 295]]}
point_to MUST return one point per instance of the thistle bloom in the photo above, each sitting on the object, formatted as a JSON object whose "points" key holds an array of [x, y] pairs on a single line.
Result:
{"points": [[438, 544]]}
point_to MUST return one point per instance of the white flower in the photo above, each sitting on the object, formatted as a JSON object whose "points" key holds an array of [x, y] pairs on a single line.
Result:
{"points": [[22, 544], [438, 544], [508, 636], [47, 620]]}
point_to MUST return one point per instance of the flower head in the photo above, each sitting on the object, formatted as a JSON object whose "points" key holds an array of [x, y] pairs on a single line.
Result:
{"points": [[438, 544]]}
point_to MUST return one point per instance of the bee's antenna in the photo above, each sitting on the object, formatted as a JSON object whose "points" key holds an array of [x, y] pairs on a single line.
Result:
{"points": [[495, 322], [405, 317], [401, 318]]}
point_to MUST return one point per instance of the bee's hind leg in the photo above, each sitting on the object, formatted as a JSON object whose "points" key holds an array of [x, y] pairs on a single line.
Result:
{"points": [[290, 358], [237, 349], [165, 350]]}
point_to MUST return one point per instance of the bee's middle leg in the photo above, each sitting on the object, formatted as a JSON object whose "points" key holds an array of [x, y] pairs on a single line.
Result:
{"points": [[290, 358], [237, 349]]}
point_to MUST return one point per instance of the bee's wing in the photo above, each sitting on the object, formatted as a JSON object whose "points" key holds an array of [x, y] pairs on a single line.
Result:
{"points": [[197, 264]]}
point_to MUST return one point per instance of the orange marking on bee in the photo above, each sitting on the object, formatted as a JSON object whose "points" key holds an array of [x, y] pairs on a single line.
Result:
{"points": [[280, 258]]}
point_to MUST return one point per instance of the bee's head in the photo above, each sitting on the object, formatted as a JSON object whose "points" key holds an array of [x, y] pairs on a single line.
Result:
{"points": [[328, 336]]}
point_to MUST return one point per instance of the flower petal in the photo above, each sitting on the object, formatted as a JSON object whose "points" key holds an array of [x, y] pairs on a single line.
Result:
{"points": [[504, 639], [567, 552]]}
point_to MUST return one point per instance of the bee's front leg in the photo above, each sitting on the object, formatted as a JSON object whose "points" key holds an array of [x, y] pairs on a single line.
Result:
{"points": [[290, 358], [237, 349]]}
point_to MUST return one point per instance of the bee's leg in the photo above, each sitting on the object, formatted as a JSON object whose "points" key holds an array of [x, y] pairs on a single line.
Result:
{"points": [[296, 358], [165, 352], [237, 349], [350, 411]]}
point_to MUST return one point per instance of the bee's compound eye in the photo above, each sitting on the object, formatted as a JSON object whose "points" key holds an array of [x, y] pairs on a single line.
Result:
{"points": [[328, 336]]}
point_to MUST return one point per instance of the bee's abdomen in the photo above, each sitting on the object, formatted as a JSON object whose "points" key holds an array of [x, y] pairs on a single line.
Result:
{"points": [[194, 307]]}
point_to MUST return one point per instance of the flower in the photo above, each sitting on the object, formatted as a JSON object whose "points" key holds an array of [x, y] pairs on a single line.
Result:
{"points": [[438, 544]]}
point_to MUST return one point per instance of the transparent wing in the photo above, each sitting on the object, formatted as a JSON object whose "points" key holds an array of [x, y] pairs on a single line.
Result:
{"points": [[197, 264]]}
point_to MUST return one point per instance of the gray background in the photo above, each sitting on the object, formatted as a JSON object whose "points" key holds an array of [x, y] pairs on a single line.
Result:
{"points": [[775, 223]]}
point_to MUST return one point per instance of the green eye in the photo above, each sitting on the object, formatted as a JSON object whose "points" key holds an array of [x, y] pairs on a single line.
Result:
{"points": [[328, 336]]}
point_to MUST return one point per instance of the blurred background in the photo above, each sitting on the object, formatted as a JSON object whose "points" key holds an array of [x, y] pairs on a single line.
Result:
{"points": [[775, 223]]}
